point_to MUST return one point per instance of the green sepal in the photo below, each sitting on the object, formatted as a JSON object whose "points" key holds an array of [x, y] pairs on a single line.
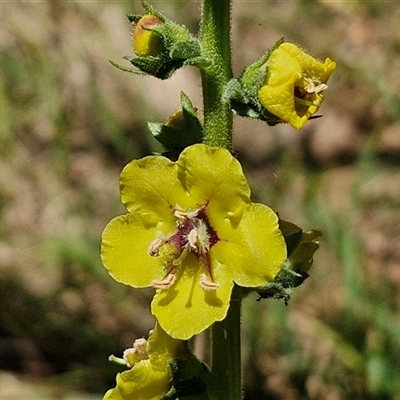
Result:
{"points": [[135, 71], [134, 18], [191, 117], [172, 34], [253, 76], [189, 379], [291, 233], [180, 44], [185, 50], [301, 247], [243, 91], [179, 132], [199, 62], [151, 10], [160, 67]]}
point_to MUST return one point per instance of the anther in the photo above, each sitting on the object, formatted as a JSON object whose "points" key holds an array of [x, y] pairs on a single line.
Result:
{"points": [[155, 246], [164, 283], [206, 284]]}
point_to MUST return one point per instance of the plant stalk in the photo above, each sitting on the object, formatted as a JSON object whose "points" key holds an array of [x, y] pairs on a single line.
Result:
{"points": [[226, 353], [216, 45]]}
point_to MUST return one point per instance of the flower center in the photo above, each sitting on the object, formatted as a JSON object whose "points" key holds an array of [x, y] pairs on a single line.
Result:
{"points": [[308, 91], [193, 234]]}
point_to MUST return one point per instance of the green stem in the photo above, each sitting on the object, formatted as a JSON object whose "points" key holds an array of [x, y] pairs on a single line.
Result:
{"points": [[226, 353], [215, 40], [226, 381]]}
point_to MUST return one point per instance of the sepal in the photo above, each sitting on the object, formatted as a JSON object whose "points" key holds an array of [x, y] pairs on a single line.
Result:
{"points": [[243, 92], [162, 67], [301, 247], [189, 379], [182, 129]]}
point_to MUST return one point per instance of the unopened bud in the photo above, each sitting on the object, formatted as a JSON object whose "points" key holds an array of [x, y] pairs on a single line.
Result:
{"points": [[146, 42]]}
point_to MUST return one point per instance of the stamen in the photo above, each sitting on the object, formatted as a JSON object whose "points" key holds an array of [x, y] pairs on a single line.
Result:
{"points": [[193, 234], [136, 353], [307, 103], [192, 238], [308, 86], [164, 283], [206, 284], [155, 246], [321, 88], [203, 237], [180, 214]]}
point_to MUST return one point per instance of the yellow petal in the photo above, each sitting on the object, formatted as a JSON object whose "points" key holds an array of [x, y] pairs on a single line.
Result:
{"points": [[186, 309], [141, 382], [212, 175], [162, 349], [148, 379], [150, 185], [252, 252], [125, 249], [278, 102]]}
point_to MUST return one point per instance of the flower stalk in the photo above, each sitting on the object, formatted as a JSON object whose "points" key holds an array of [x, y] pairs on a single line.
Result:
{"points": [[226, 354], [218, 126]]}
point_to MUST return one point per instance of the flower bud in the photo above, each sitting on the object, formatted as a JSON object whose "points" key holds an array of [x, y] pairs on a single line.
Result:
{"points": [[146, 42]]}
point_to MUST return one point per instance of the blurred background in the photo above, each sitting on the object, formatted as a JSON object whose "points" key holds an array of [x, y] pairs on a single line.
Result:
{"points": [[69, 122]]}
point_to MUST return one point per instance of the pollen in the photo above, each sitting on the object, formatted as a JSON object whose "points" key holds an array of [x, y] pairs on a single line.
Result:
{"points": [[165, 283], [136, 353], [206, 284], [155, 246]]}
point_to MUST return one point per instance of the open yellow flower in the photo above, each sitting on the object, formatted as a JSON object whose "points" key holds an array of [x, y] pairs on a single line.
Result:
{"points": [[295, 84], [191, 232], [150, 376]]}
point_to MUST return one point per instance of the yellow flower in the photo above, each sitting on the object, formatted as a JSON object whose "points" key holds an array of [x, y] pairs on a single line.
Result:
{"points": [[145, 42], [294, 85], [150, 375], [191, 231]]}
